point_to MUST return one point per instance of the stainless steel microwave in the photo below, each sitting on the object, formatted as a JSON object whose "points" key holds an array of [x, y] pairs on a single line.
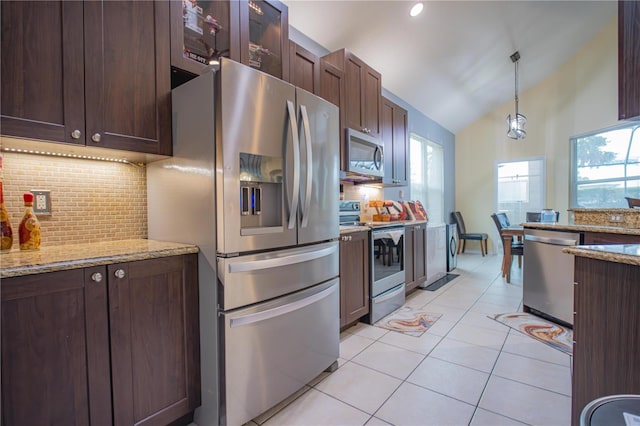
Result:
{"points": [[365, 154]]}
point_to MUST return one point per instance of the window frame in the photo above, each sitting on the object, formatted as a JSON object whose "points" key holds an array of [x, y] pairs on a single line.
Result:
{"points": [[573, 161]]}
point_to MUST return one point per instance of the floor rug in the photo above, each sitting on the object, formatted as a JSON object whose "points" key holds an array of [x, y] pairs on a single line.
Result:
{"points": [[408, 320], [439, 283], [547, 332]]}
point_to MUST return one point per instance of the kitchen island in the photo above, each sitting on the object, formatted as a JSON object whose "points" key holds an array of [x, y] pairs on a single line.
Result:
{"points": [[606, 323]]}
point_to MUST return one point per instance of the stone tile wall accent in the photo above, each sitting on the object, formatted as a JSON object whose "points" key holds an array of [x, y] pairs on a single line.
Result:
{"points": [[623, 218], [91, 200]]}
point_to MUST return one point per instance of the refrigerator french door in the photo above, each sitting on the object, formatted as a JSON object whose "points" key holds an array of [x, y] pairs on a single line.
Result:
{"points": [[278, 155], [253, 182]]}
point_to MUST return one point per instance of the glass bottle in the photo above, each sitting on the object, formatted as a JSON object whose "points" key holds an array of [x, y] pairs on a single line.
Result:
{"points": [[29, 230], [6, 233]]}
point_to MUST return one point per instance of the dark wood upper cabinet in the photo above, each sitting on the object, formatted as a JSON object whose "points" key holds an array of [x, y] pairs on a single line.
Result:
{"points": [[264, 36], [117, 50], [394, 126], [105, 345], [354, 277], [203, 32], [628, 59], [332, 89], [363, 96], [304, 68], [254, 33], [42, 70]]}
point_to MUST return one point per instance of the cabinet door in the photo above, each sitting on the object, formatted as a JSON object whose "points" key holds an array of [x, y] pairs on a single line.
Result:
{"points": [[371, 101], [606, 238], [55, 350], [42, 86], [127, 71], [420, 253], [354, 70], [153, 316], [264, 36], [194, 42], [354, 277], [332, 89], [394, 127], [628, 60], [304, 68], [409, 249]]}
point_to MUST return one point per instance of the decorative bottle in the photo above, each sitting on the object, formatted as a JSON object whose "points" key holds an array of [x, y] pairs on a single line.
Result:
{"points": [[6, 233], [29, 230]]}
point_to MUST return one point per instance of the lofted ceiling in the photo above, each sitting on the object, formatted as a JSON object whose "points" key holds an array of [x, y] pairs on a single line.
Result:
{"points": [[452, 61]]}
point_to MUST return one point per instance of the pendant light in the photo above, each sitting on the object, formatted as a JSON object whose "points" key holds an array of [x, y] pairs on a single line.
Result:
{"points": [[516, 123]]}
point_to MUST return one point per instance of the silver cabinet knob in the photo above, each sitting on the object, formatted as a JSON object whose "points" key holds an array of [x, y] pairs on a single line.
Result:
{"points": [[119, 273], [96, 137], [96, 276], [76, 134]]}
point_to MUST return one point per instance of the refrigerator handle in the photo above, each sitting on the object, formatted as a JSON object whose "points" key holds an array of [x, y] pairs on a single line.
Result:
{"points": [[307, 138], [296, 165]]}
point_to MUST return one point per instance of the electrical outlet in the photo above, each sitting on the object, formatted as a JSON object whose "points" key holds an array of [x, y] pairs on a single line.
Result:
{"points": [[41, 202], [616, 218]]}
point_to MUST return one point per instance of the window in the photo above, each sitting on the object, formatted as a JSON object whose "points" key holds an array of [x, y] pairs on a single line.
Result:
{"points": [[605, 167], [520, 188], [427, 176]]}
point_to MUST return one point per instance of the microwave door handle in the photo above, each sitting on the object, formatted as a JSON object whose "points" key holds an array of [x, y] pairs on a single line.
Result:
{"points": [[307, 137], [377, 158], [293, 208]]}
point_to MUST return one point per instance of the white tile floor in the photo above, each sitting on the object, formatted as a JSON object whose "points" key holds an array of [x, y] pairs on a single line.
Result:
{"points": [[466, 370]]}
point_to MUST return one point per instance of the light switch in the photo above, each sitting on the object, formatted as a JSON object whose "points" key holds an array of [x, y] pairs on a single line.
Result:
{"points": [[41, 202]]}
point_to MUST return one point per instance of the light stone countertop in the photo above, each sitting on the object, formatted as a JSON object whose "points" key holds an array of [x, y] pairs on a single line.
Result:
{"points": [[347, 229], [618, 253], [585, 228], [73, 256]]}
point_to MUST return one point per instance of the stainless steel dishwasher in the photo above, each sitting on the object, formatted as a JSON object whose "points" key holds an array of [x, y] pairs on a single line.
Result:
{"points": [[548, 273]]}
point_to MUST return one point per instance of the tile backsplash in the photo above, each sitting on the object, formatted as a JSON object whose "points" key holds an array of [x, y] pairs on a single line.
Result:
{"points": [[91, 200]]}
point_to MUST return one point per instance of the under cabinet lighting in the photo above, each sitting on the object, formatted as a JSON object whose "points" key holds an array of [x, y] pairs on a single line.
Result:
{"points": [[61, 154], [416, 9]]}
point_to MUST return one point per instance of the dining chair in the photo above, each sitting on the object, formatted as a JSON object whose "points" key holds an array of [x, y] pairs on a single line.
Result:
{"points": [[633, 202], [517, 247], [463, 235]]}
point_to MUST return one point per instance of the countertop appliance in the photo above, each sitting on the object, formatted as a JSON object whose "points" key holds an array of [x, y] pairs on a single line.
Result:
{"points": [[386, 257], [547, 286], [452, 247], [253, 183]]}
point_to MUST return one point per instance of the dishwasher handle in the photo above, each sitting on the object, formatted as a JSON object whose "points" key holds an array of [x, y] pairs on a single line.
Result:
{"points": [[552, 241]]}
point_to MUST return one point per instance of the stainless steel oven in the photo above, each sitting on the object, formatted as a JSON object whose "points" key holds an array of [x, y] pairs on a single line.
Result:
{"points": [[387, 270]]}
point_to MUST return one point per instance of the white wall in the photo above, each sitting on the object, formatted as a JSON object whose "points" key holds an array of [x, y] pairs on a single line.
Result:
{"points": [[581, 96]]}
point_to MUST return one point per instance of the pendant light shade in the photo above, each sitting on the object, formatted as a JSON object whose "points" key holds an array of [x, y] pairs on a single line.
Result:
{"points": [[516, 123]]}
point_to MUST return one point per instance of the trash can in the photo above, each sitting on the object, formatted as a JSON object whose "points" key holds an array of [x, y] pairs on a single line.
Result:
{"points": [[612, 410]]}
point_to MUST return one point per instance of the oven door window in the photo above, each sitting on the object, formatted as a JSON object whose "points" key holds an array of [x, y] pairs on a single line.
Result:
{"points": [[387, 253]]}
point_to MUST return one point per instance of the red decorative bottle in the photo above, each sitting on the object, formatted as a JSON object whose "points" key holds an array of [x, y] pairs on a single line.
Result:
{"points": [[6, 233], [29, 230]]}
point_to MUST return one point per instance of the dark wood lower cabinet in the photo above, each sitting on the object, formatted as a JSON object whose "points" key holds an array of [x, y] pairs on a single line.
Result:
{"points": [[606, 331], [82, 344], [415, 255], [609, 238], [354, 277]]}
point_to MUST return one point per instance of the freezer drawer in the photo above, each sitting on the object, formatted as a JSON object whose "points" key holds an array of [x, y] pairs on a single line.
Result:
{"points": [[245, 280], [271, 350]]}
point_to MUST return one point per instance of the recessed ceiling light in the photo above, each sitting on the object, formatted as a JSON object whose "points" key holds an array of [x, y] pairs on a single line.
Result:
{"points": [[416, 9]]}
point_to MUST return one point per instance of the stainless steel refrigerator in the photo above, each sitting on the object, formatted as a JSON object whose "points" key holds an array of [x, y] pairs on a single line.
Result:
{"points": [[253, 182]]}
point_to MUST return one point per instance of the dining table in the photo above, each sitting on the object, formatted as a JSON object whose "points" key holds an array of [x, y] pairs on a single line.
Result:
{"points": [[507, 238]]}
